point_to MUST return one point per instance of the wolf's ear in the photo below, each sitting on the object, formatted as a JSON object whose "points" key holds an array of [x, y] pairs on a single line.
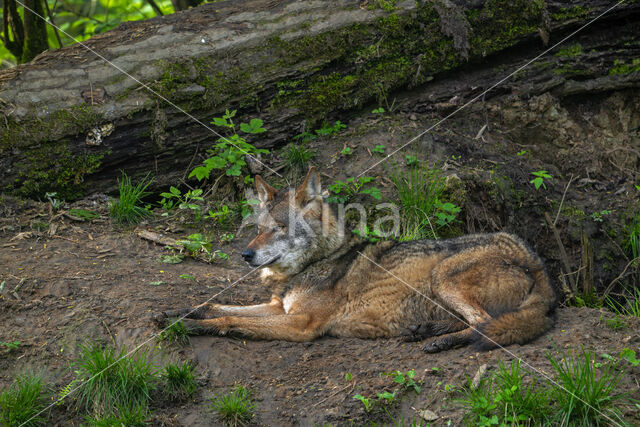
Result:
{"points": [[310, 187], [266, 193]]}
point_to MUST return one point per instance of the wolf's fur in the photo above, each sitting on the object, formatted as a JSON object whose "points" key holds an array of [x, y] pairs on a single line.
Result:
{"points": [[325, 284]]}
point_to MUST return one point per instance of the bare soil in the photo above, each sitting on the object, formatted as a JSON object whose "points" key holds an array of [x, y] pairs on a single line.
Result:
{"points": [[68, 282]]}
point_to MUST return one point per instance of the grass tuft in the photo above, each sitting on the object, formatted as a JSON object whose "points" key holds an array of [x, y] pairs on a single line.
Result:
{"points": [[298, 156], [21, 403], [128, 208], [130, 416], [176, 333], [419, 190], [505, 398], [234, 407], [179, 380], [588, 394], [112, 382]]}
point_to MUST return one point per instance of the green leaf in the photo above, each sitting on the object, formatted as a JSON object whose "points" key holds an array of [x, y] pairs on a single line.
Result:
{"points": [[174, 190], [220, 121], [200, 173], [373, 192]]}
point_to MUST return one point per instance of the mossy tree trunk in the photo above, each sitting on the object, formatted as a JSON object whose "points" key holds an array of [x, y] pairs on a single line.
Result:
{"points": [[72, 122], [35, 30]]}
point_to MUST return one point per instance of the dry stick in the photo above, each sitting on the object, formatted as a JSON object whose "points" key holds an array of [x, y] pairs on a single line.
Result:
{"points": [[555, 221], [109, 330], [563, 253], [55, 29], [620, 276]]}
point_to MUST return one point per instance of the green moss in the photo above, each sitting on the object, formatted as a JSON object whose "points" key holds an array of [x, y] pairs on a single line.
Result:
{"points": [[52, 167], [500, 23], [571, 51], [47, 163], [621, 67], [70, 121], [565, 14]]}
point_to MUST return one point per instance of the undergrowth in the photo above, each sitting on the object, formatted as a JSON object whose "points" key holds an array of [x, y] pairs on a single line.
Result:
{"points": [[580, 392], [22, 403], [128, 208], [234, 407], [179, 380], [113, 382]]}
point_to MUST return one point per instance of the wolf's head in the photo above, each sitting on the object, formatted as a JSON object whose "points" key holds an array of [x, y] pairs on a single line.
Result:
{"points": [[295, 227]]}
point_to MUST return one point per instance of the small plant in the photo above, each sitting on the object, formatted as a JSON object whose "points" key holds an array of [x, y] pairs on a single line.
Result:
{"points": [[368, 404], [222, 215], [630, 305], [630, 356], [188, 277], [130, 416], [197, 243], [298, 156], [540, 176], [176, 333], [179, 380], [227, 237], [174, 198], [421, 190], [234, 407], [379, 149], [504, 399], [22, 403], [372, 236], [346, 151], [597, 216], [8, 346], [228, 154], [585, 397], [55, 203], [348, 376], [157, 283], [411, 160], [328, 129], [405, 379], [111, 380], [173, 258], [616, 323], [521, 153], [387, 397], [347, 190], [379, 110], [128, 208]]}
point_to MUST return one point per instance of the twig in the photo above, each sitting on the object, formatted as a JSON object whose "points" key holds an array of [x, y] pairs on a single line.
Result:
{"points": [[352, 385], [563, 253], [620, 276], [53, 23], [555, 221], [109, 330], [155, 7]]}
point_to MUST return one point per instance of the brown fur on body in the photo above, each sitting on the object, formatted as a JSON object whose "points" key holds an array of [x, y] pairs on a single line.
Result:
{"points": [[490, 289]]}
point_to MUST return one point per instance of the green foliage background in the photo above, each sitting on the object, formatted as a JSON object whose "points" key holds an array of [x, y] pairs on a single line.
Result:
{"points": [[83, 19]]}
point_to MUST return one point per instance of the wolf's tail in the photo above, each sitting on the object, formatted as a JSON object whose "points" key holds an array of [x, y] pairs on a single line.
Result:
{"points": [[529, 321]]}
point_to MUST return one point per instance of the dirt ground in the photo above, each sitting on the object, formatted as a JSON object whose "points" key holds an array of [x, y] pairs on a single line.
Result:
{"points": [[67, 282]]}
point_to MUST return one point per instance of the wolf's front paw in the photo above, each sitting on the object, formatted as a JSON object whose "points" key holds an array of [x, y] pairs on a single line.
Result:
{"points": [[411, 334], [434, 347]]}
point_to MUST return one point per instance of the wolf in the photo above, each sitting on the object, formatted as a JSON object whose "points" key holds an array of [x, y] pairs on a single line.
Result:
{"points": [[489, 290]]}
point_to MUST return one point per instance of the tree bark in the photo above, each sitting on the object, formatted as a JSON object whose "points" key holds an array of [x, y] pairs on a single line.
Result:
{"points": [[35, 30], [72, 121]]}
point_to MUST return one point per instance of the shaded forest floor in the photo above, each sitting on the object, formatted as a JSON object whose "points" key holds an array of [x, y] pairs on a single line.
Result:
{"points": [[71, 282]]}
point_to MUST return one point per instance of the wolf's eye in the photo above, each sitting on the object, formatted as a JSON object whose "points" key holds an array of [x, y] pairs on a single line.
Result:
{"points": [[278, 227]]}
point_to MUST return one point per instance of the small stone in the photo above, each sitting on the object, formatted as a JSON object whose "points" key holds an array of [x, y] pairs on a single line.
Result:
{"points": [[428, 415]]}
